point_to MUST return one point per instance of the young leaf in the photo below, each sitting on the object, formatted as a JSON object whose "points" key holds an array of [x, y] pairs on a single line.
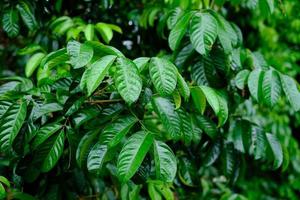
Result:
{"points": [[127, 80], [89, 32], [55, 152], [179, 30], [291, 91], [96, 157], [97, 71], [10, 21], [27, 15], [116, 131], [105, 31], [133, 154], [163, 75], [169, 118], [271, 88], [11, 123], [33, 63], [165, 162], [203, 32], [80, 54]]}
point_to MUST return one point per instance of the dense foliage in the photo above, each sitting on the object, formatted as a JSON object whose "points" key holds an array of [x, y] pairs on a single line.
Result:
{"points": [[172, 99]]}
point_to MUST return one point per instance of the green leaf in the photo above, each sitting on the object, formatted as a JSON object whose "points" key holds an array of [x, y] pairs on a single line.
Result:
{"points": [[44, 133], [207, 125], [163, 74], [133, 154], [165, 162], [291, 91], [55, 152], [169, 118], [175, 14], [97, 72], [276, 150], [105, 31], [186, 126], [11, 123], [203, 31], [271, 88], [141, 63], [2, 192], [96, 157], [213, 153], [39, 111], [179, 30], [89, 32], [211, 97], [199, 99], [183, 87], [26, 14], [177, 99], [33, 63], [55, 58], [113, 133], [10, 21], [223, 109], [255, 82], [80, 54], [84, 147], [127, 80], [4, 106], [241, 78], [266, 7]]}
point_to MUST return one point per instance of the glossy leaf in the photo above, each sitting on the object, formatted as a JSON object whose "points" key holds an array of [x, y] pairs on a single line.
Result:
{"points": [[10, 21], [133, 154], [241, 79], [183, 87], [271, 88], [96, 157], [163, 75], [165, 161], [169, 118], [255, 81], [11, 123], [291, 91], [97, 71], [80, 54], [203, 32], [27, 15], [33, 63], [127, 80]]}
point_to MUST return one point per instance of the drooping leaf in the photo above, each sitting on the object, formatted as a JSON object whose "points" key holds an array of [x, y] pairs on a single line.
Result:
{"points": [[54, 59], [163, 75], [169, 118], [116, 131], [97, 72], [55, 152], [10, 21], [271, 88], [213, 153], [203, 32], [11, 123], [212, 98], [291, 91], [207, 125], [127, 80], [96, 157], [133, 154], [105, 31], [186, 127], [199, 99], [165, 161], [33, 63], [27, 15], [80, 54], [179, 30]]}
